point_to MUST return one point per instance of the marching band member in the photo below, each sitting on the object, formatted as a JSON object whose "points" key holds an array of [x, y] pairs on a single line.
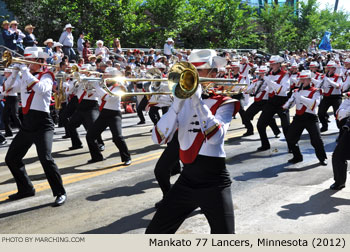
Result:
{"points": [[37, 128], [294, 78], [60, 77], [331, 86], [339, 158], [346, 77], [244, 68], [157, 102], [306, 100], [342, 114], [240, 79], [316, 77], [86, 114], [204, 181], [277, 87], [258, 89], [110, 116], [11, 103]]}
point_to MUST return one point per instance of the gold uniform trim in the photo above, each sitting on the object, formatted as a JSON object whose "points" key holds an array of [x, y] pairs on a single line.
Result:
{"points": [[160, 133], [31, 84], [211, 129]]}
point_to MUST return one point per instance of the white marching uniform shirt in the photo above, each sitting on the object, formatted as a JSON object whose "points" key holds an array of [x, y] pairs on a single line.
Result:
{"points": [[258, 88], [86, 94], [332, 85], [7, 88], [201, 129], [277, 84], [305, 100], [343, 110], [316, 78], [346, 81], [35, 90], [161, 100], [108, 101], [294, 80], [244, 70]]}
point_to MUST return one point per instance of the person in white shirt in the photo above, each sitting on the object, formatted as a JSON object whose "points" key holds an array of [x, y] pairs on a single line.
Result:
{"points": [[11, 102], [278, 85], [37, 128], [67, 40], [102, 51], [57, 53], [201, 124], [306, 100], [168, 48], [110, 116], [85, 114]]}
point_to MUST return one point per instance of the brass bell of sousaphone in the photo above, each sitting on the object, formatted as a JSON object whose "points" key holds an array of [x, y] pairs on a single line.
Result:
{"points": [[183, 80]]}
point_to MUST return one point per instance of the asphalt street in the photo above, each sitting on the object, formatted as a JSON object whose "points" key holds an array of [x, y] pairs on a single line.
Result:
{"points": [[270, 196]]}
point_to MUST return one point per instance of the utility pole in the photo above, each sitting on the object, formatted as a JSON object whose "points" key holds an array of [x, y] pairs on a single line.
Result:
{"points": [[336, 5]]}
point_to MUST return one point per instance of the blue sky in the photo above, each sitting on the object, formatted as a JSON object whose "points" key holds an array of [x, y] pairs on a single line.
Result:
{"points": [[343, 4]]}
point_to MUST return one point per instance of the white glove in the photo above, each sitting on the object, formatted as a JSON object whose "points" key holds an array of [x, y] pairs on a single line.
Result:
{"points": [[197, 97]]}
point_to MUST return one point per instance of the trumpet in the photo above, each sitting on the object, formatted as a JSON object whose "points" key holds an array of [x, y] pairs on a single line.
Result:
{"points": [[183, 81], [7, 60]]}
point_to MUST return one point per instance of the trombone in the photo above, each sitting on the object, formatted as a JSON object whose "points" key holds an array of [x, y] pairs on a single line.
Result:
{"points": [[183, 81], [7, 60]]}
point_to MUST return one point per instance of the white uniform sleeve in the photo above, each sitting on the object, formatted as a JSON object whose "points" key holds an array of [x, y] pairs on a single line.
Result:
{"points": [[214, 127], [311, 103], [283, 87], [333, 83], [290, 103], [44, 85], [164, 131]]}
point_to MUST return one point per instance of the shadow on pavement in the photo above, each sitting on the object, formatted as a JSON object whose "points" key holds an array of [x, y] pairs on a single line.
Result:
{"points": [[8, 214], [320, 203], [273, 171], [125, 190], [125, 224], [129, 223]]}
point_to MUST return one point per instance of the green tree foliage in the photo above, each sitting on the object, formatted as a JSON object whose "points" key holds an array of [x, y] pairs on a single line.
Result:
{"points": [[278, 29], [198, 23]]}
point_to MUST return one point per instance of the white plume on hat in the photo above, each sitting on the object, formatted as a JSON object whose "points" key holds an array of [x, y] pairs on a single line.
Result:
{"points": [[206, 59]]}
